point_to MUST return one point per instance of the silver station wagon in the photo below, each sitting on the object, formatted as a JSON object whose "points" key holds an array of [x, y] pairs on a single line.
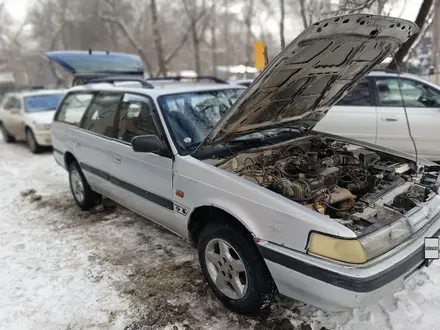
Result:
{"points": [[271, 205]]}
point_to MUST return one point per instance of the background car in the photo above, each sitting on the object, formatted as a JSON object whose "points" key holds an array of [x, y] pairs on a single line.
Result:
{"points": [[373, 112], [242, 82], [28, 116]]}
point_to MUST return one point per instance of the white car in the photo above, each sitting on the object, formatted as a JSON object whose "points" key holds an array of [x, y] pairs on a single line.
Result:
{"points": [[373, 112], [241, 82], [28, 116], [271, 205]]}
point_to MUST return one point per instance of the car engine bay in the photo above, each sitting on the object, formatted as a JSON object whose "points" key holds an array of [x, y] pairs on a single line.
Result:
{"points": [[353, 185]]}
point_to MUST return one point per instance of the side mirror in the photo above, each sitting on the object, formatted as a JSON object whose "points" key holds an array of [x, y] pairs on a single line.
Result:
{"points": [[431, 71], [147, 143]]}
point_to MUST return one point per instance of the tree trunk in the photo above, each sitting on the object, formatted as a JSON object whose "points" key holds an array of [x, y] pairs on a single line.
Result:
{"points": [[196, 47], [380, 5], [227, 57], [248, 23], [132, 40], [420, 21], [214, 41], [302, 4], [158, 39], [283, 14]]}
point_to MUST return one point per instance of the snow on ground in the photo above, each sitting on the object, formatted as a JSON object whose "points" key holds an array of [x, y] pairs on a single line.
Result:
{"points": [[61, 268]]}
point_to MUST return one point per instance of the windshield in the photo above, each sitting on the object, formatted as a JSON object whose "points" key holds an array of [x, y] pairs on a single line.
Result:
{"points": [[42, 102], [191, 116]]}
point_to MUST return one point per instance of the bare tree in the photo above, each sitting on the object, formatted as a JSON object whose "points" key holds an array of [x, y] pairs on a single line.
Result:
{"points": [[421, 20], [214, 39], [282, 17], [226, 26], [198, 15], [312, 10], [248, 21], [158, 39]]}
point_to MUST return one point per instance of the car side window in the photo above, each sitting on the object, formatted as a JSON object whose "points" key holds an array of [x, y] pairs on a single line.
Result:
{"points": [[135, 118], [415, 94], [73, 107], [360, 95], [5, 103], [12, 103], [100, 116]]}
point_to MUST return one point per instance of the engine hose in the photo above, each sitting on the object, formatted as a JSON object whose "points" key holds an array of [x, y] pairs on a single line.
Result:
{"points": [[316, 194], [337, 209]]}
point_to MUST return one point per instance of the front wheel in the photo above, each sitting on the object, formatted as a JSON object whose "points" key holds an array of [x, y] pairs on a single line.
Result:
{"points": [[32, 143], [83, 194], [234, 268]]}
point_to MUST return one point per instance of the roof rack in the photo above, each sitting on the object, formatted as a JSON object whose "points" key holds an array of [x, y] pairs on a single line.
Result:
{"points": [[113, 79], [180, 78]]}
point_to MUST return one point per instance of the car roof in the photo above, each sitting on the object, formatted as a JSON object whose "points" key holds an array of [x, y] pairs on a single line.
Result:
{"points": [[170, 89], [391, 73], [395, 74], [237, 81], [175, 84]]}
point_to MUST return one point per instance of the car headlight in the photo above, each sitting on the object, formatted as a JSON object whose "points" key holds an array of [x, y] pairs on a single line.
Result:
{"points": [[42, 127], [360, 250]]}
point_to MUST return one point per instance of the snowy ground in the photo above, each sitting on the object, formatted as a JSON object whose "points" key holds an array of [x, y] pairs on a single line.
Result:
{"points": [[61, 268]]}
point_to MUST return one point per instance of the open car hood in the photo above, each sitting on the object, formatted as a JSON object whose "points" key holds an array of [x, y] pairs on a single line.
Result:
{"points": [[90, 64], [312, 73]]}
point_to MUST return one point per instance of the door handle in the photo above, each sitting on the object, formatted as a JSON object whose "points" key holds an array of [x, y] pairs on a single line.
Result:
{"points": [[389, 118], [117, 160]]}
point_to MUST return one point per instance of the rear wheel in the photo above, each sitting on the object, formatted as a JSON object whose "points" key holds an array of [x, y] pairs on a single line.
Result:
{"points": [[32, 143], [83, 194], [234, 268], [8, 138]]}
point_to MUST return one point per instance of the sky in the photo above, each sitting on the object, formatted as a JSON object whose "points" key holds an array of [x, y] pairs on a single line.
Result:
{"points": [[18, 8]]}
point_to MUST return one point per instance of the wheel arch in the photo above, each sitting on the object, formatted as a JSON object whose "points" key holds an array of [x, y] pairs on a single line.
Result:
{"points": [[204, 214], [69, 158]]}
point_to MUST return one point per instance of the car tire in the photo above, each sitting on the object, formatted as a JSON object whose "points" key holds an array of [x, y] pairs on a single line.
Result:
{"points": [[83, 194], [31, 142], [8, 138], [235, 269]]}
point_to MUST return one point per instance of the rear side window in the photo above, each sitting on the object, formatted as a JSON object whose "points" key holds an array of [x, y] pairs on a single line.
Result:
{"points": [[12, 103], [360, 95], [415, 94], [73, 108], [100, 116]]}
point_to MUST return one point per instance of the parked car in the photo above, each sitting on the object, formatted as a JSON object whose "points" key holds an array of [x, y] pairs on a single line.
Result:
{"points": [[28, 116], [242, 82], [271, 205], [373, 112], [82, 63]]}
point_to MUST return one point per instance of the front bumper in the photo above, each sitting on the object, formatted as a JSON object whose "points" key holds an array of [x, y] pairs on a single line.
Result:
{"points": [[336, 286], [43, 138]]}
